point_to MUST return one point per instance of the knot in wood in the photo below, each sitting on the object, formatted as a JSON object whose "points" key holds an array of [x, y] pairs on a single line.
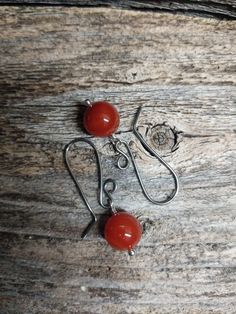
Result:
{"points": [[164, 138]]}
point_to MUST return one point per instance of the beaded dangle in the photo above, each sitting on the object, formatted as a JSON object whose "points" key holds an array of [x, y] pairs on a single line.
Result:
{"points": [[102, 119], [122, 230]]}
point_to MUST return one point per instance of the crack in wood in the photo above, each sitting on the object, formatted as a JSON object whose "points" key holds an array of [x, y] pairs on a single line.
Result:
{"points": [[216, 9]]}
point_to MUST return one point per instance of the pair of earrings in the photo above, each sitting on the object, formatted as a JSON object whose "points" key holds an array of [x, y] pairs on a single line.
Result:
{"points": [[122, 230]]}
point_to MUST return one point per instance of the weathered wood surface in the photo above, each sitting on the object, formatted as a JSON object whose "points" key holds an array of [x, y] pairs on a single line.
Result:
{"points": [[225, 9], [182, 70]]}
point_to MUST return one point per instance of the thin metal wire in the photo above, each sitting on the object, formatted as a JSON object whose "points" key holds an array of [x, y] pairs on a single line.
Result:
{"points": [[101, 187], [83, 196], [151, 151], [110, 186], [123, 160]]}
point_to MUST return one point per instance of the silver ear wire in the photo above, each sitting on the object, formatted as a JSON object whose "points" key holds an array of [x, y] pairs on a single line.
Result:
{"points": [[67, 148], [103, 188], [152, 152], [110, 186], [125, 158]]}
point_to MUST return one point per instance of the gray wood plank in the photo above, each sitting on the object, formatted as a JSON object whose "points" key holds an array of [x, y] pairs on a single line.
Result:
{"points": [[182, 70], [225, 9]]}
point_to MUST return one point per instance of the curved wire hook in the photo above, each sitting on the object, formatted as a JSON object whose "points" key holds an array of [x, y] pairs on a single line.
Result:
{"points": [[83, 196], [110, 186], [151, 151], [102, 188], [123, 160]]}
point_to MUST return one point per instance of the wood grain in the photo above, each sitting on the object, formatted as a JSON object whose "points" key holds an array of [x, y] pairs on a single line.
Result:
{"points": [[222, 9], [182, 70]]}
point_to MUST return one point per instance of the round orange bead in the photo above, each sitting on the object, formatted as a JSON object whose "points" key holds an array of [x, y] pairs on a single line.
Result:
{"points": [[101, 119], [123, 231]]}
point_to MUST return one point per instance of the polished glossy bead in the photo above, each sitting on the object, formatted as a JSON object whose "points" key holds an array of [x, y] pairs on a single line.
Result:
{"points": [[101, 119], [123, 231]]}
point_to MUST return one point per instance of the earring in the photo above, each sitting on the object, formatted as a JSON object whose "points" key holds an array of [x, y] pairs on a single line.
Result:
{"points": [[122, 230], [102, 119], [117, 143]]}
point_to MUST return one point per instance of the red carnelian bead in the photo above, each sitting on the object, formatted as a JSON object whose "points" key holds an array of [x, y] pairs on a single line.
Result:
{"points": [[123, 231], [101, 119]]}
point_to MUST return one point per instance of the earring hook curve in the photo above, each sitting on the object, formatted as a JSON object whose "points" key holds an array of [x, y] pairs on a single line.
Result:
{"points": [[102, 187], [161, 160], [77, 184]]}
